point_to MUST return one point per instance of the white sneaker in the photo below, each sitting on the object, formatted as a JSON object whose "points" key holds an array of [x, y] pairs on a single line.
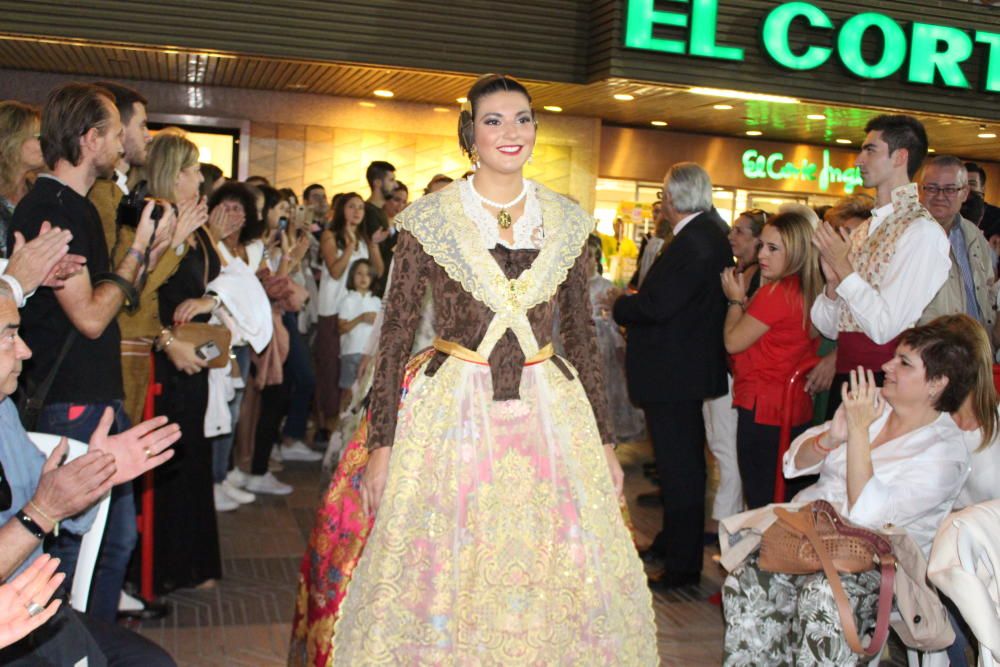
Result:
{"points": [[223, 503], [237, 494], [299, 451], [128, 603], [267, 483], [276, 453], [237, 478]]}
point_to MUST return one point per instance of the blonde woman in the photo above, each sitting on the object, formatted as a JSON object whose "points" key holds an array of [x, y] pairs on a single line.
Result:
{"points": [[168, 163], [767, 336], [20, 158], [186, 551]]}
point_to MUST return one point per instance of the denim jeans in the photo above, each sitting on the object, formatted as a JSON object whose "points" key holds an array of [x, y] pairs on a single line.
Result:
{"points": [[79, 421], [222, 445], [300, 380]]}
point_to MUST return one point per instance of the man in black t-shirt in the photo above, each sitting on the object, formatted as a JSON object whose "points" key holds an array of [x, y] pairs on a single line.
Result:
{"points": [[81, 314]]}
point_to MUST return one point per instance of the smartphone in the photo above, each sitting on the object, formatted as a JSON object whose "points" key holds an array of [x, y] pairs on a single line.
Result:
{"points": [[208, 351], [283, 223]]}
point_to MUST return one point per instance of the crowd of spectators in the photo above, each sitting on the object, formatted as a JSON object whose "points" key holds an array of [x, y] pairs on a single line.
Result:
{"points": [[138, 281]]}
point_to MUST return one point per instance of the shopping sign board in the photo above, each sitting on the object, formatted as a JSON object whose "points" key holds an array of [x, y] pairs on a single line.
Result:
{"points": [[775, 167], [936, 52]]}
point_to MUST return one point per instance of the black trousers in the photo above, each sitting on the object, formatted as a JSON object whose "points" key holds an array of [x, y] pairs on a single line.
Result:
{"points": [[757, 456], [70, 636], [677, 430]]}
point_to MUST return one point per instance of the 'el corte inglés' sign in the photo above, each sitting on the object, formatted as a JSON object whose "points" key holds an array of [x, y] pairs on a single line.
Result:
{"points": [[775, 167], [926, 53]]}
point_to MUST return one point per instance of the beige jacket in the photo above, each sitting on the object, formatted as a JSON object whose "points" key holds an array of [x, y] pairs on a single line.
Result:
{"points": [[950, 299]]}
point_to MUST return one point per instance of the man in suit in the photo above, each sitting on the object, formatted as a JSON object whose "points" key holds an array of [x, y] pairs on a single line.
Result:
{"points": [[675, 359]]}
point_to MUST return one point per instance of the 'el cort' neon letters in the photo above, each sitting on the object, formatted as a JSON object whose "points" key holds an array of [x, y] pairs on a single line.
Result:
{"points": [[936, 52], [775, 167]]}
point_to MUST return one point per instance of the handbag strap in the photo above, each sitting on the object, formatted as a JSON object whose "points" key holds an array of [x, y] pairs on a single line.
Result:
{"points": [[887, 564], [37, 401]]}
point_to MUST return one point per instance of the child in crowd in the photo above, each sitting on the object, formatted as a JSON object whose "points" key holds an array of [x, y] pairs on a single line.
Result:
{"points": [[356, 316]]}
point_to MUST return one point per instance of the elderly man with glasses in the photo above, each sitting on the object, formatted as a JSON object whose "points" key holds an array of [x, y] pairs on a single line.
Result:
{"points": [[944, 187]]}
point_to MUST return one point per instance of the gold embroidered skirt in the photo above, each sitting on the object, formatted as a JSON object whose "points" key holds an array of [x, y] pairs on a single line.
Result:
{"points": [[499, 540]]}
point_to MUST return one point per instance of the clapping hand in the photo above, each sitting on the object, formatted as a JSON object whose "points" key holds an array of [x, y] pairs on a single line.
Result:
{"points": [[137, 450], [43, 260], [734, 285], [862, 400], [23, 599], [190, 216], [834, 246]]}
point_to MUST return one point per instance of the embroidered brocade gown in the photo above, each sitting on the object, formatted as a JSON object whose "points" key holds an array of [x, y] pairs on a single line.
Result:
{"points": [[499, 539]]}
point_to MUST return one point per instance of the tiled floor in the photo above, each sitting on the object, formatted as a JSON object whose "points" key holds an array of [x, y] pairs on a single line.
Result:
{"points": [[245, 619]]}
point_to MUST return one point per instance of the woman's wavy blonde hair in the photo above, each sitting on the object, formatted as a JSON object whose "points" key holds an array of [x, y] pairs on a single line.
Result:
{"points": [[169, 153], [18, 123], [801, 257]]}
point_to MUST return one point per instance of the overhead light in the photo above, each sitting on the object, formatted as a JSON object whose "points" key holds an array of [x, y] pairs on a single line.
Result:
{"points": [[461, 100], [367, 105], [658, 123], [442, 109], [624, 97], [722, 107], [931, 150], [754, 133], [816, 116], [843, 141], [740, 95], [987, 135], [383, 93], [553, 108], [297, 86]]}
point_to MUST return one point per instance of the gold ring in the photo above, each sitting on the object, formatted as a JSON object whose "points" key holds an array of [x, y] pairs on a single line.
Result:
{"points": [[149, 453]]}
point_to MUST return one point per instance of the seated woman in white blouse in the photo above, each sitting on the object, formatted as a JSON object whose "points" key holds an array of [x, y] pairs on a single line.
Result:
{"points": [[895, 457]]}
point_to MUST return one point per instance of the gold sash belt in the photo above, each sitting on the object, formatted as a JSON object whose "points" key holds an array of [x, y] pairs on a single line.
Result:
{"points": [[458, 351]]}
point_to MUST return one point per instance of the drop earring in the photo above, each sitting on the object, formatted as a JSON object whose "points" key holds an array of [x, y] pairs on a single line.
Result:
{"points": [[474, 157]]}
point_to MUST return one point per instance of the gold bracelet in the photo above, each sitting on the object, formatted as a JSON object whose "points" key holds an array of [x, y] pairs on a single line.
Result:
{"points": [[55, 524]]}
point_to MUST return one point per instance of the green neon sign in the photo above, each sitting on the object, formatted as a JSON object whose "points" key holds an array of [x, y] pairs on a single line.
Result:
{"points": [[776, 29], [852, 35], [774, 167], [934, 53], [642, 18]]}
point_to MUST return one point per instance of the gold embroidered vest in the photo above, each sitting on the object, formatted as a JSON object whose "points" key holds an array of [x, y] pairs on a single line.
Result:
{"points": [[871, 254]]}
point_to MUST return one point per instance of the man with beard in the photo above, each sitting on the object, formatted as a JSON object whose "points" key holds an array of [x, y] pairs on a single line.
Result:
{"points": [[76, 372], [381, 178]]}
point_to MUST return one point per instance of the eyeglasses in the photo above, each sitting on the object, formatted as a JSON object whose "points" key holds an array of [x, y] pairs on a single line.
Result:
{"points": [[947, 190]]}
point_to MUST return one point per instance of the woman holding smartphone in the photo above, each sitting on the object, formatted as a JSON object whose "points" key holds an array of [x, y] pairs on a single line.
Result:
{"points": [[186, 551]]}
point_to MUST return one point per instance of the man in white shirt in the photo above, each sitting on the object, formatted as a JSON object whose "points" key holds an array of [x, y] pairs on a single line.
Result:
{"points": [[881, 277]]}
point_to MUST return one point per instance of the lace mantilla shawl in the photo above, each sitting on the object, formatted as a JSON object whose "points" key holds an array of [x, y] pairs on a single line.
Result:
{"points": [[529, 232], [440, 223]]}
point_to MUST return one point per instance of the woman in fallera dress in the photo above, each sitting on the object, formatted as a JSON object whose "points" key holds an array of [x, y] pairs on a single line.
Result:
{"points": [[497, 537]]}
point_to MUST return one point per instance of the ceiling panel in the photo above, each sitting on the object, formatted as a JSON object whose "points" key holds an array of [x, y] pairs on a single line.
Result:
{"points": [[681, 109]]}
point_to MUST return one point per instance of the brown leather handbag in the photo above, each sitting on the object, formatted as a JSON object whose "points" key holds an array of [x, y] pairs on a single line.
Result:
{"points": [[817, 539], [211, 341]]}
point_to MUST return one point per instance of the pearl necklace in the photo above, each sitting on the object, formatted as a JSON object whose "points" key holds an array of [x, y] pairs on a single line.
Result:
{"points": [[504, 218]]}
